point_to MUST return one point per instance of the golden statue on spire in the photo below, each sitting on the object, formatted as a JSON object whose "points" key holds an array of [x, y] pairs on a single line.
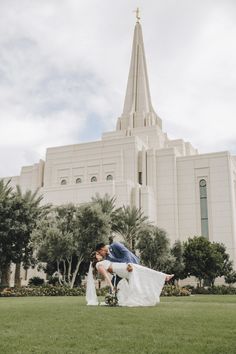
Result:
{"points": [[137, 14]]}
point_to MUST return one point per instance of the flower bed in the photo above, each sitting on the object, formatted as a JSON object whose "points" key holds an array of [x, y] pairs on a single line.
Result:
{"points": [[48, 290], [173, 290]]}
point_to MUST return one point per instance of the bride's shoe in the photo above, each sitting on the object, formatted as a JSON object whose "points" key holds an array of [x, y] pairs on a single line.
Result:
{"points": [[129, 268], [169, 277]]}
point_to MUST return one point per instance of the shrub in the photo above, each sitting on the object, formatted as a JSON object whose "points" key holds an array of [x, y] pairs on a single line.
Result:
{"points": [[173, 290], [48, 290], [36, 281], [215, 290], [43, 291], [53, 281], [230, 278]]}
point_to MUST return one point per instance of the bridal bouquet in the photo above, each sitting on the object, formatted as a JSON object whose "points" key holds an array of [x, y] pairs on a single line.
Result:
{"points": [[111, 299]]}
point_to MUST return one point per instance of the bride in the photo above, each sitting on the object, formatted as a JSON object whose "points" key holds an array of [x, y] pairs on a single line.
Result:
{"points": [[140, 286]]}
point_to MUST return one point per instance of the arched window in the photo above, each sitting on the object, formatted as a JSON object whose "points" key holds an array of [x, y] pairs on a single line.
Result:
{"points": [[94, 179], [203, 207], [63, 182], [109, 177], [78, 180]]}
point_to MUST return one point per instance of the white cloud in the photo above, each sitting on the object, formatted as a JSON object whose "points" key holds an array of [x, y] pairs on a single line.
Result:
{"points": [[65, 61]]}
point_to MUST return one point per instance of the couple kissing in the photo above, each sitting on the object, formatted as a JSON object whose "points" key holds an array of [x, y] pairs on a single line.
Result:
{"points": [[136, 285]]}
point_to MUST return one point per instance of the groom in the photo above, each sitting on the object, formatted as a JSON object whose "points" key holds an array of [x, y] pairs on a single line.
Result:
{"points": [[118, 253]]}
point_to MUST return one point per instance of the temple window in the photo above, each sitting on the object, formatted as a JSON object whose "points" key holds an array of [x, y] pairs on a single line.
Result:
{"points": [[203, 207], [94, 179]]}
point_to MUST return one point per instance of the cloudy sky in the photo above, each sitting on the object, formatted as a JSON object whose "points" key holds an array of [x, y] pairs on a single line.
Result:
{"points": [[64, 67]]}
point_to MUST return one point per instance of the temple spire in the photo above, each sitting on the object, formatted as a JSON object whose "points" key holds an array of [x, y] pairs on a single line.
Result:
{"points": [[138, 110]]}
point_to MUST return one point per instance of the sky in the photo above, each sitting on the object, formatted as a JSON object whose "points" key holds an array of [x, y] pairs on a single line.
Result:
{"points": [[64, 69]]}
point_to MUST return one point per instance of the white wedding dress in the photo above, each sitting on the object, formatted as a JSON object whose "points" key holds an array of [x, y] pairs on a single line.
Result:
{"points": [[141, 287]]}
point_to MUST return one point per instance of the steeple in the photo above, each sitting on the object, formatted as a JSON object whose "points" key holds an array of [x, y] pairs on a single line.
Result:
{"points": [[138, 110]]}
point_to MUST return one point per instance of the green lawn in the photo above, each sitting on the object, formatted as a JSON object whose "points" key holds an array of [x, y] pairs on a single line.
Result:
{"points": [[196, 324]]}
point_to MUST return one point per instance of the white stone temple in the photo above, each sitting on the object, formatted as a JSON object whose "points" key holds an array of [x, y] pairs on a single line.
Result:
{"points": [[181, 191]]}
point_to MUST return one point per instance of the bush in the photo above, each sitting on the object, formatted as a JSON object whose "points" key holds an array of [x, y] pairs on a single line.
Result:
{"points": [[36, 281], [189, 287], [230, 278], [53, 281], [168, 290], [215, 290], [46, 290], [173, 290]]}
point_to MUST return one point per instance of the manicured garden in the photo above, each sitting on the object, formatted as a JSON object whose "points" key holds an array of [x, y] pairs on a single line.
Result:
{"points": [[63, 325]]}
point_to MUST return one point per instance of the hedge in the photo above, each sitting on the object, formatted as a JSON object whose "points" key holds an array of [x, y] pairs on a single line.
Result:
{"points": [[168, 290], [49, 290]]}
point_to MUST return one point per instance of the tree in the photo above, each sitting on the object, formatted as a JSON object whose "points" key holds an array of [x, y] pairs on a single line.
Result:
{"points": [[230, 278], [92, 227], [178, 269], [5, 241], [106, 203], [69, 235], [154, 249], [26, 212], [18, 214], [205, 260], [128, 222], [219, 262], [196, 254], [54, 246]]}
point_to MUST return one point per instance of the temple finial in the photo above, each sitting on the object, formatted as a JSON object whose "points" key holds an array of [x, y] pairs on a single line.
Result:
{"points": [[137, 14]]}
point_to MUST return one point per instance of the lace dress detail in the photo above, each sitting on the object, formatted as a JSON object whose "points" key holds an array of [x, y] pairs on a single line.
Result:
{"points": [[106, 264]]}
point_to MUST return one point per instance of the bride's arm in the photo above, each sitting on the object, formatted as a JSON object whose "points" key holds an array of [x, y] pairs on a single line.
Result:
{"points": [[103, 271]]}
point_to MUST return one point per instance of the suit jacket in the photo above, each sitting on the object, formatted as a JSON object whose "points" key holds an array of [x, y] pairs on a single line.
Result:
{"points": [[118, 253]]}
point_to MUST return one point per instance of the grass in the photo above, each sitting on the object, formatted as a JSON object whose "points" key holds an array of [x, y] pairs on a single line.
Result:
{"points": [[64, 325]]}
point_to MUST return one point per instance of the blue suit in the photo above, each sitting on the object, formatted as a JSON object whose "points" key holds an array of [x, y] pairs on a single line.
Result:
{"points": [[118, 253]]}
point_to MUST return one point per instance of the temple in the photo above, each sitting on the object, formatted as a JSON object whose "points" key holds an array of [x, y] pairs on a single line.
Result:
{"points": [[181, 191]]}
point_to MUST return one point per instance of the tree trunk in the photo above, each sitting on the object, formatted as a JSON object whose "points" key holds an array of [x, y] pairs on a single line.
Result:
{"points": [[75, 272], [69, 270], [59, 273], [64, 271], [5, 278], [17, 275], [58, 268]]}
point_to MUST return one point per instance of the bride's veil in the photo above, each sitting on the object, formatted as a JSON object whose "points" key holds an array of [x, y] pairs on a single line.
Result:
{"points": [[91, 296]]}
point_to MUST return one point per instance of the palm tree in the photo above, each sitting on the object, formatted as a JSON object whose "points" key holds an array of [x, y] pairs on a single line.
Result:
{"points": [[5, 195], [5, 189], [30, 213], [106, 203], [128, 222]]}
